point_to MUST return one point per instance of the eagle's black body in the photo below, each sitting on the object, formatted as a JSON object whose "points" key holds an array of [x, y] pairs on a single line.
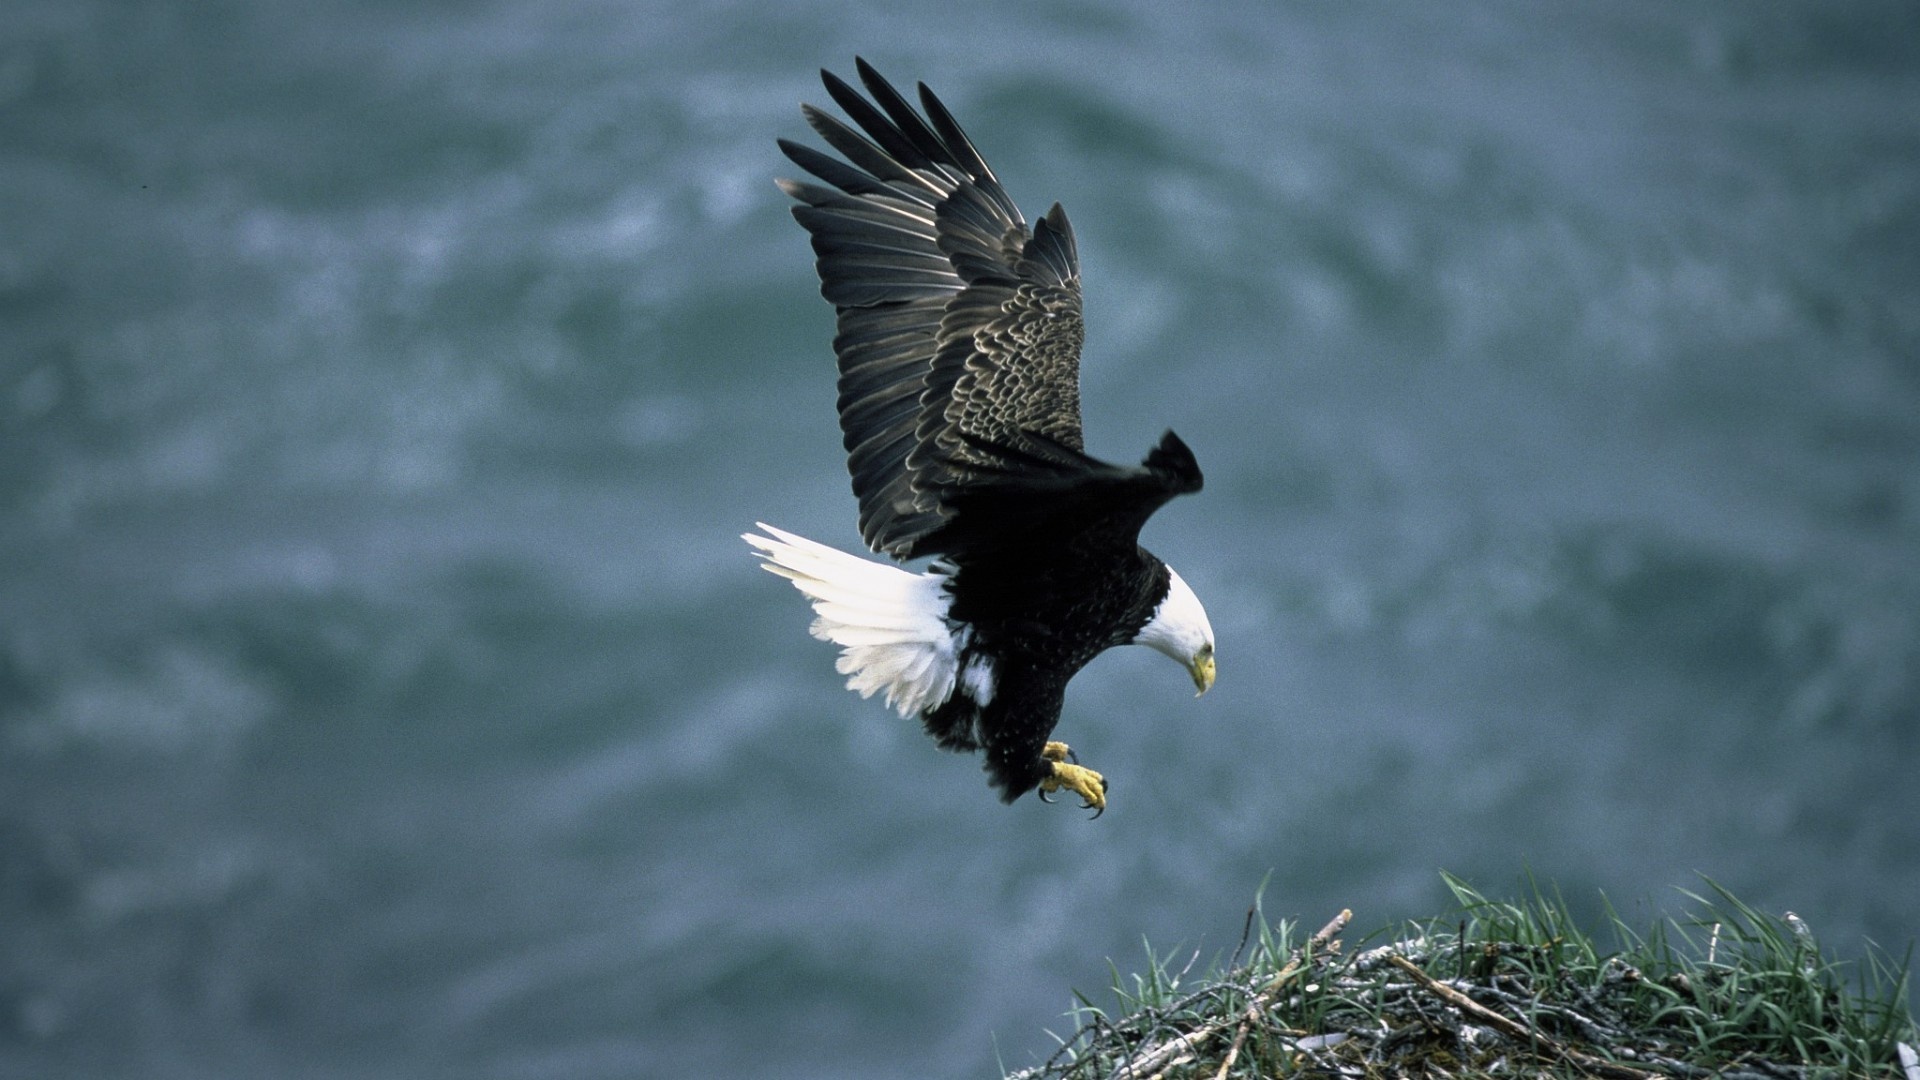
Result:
{"points": [[1039, 624], [958, 348]]}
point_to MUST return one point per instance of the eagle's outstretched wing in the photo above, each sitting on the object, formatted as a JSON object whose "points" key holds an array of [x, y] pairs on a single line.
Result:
{"points": [[959, 330]]}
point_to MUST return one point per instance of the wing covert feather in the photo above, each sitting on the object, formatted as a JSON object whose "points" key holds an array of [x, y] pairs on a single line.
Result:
{"points": [[959, 329]]}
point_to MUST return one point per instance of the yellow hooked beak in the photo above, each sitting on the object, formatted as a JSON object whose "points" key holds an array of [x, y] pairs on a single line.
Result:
{"points": [[1202, 669]]}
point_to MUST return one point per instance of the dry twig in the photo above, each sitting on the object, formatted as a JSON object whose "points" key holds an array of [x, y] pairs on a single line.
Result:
{"points": [[1160, 1057], [1513, 1028]]}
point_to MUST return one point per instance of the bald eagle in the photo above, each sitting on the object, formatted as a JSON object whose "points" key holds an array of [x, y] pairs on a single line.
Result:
{"points": [[959, 355]]}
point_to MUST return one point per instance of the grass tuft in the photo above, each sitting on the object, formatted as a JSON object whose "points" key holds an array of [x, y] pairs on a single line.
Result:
{"points": [[1506, 988]]}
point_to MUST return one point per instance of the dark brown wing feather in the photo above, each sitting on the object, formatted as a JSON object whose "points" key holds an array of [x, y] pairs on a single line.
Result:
{"points": [[959, 330], [1037, 492]]}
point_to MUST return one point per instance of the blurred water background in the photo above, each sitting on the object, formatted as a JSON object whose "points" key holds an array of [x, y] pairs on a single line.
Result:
{"points": [[385, 691]]}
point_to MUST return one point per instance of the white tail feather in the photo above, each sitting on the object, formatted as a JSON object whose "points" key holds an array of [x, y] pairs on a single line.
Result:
{"points": [[891, 625]]}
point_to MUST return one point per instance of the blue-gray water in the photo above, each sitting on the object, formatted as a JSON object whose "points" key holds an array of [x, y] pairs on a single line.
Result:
{"points": [[385, 691]]}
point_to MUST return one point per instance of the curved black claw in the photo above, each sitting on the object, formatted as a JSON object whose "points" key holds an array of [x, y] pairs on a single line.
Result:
{"points": [[1105, 789], [1041, 794]]}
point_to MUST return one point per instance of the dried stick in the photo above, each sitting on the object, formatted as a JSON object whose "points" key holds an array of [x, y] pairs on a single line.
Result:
{"points": [[1157, 1059], [1511, 1027], [1239, 1040]]}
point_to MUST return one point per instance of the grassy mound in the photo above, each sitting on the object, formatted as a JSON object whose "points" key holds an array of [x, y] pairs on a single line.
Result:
{"points": [[1507, 989]]}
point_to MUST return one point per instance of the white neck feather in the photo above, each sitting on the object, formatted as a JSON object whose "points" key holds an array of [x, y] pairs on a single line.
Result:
{"points": [[1179, 625]]}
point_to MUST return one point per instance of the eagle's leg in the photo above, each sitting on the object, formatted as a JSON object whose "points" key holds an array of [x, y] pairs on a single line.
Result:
{"points": [[1053, 753], [1089, 785]]}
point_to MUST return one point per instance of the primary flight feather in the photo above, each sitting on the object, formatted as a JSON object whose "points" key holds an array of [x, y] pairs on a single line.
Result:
{"points": [[958, 344]]}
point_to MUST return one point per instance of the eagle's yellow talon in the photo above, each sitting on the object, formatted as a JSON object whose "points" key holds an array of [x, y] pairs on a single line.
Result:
{"points": [[1089, 785], [1056, 751]]}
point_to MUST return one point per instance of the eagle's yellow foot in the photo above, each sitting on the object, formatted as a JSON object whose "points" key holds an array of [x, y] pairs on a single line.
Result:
{"points": [[1058, 751], [1089, 785]]}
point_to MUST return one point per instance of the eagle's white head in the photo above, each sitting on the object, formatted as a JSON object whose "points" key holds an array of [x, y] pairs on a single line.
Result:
{"points": [[1180, 629]]}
